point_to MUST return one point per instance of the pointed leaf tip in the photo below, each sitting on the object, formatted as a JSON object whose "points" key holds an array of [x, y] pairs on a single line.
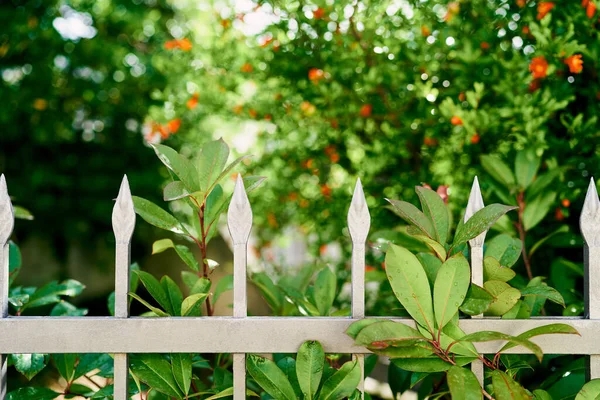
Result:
{"points": [[359, 218], [7, 217], [475, 204], [123, 217], [589, 221], [239, 216]]}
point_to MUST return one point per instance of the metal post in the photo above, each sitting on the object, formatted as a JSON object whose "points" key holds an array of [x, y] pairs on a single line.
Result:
{"points": [[123, 221], [7, 222], [590, 229], [476, 245], [359, 222], [239, 220]]}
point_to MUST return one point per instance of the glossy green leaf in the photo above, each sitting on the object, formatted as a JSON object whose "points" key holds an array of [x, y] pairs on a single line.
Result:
{"points": [[227, 171], [479, 222], [550, 329], [181, 366], [288, 366], [388, 331], [527, 164], [413, 216], [156, 372], [270, 378], [589, 391], [211, 162], [537, 209], [14, 262], [433, 364], [65, 364], [342, 383], [157, 311], [498, 170], [156, 290], [51, 292], [356, 327], [410, 285], [191, 304], [542, 182], [270, 292], [154, 215], [201, 286], [173, 294], [309, 367], [225, 284], [490, 336], [32, 393], [544, 291], [174, 191], [450, 288], [431, 264], [437, 248], [182, 251], [325, 290], [540, 394], [539, 243], [463, 384], [436, 210], [505, 296], [477, 301], [493, 271], [90, 362], [29, 365], [180, 166], [22, 213], [505, 388], [504, 248]]}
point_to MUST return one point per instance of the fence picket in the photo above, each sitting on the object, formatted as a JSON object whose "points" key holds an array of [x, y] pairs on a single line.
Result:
{"points": [[239, 220], [7, 222], [475, 204], [123, 222], [359, 222], [590, 229]]}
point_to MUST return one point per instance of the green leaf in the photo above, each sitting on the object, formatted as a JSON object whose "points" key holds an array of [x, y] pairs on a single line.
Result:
{"points": [[157, 311], [527, 164], [540, 394], [190, 304], [437, 248], [66, 309], [589, 391], [410, 285], [493, 271], [156, 372], [537, 209], [481, 221], [32, 393], [22, 213], [541, 183], [182, 251], [190, 279], [356, 327], [270, 378], [413, 216], [435, 209], [539, 243], [270, 292], [505, 249], [550, 329], [544, 291], [324, 290], [505, 388], [173, 294], [431, 264], [288, 366], [211, 162], [154, 215], [450, 288], [477, 301], [463, 384], [225, 284], [29, 365], [90, 362], [342, 383], [51, 292], [228, 169], [174, 191], [181, 365], [309, 367], [181, 166], [505, 296], [156, 290], [393, 333], [14, 262], [490, 336], [65, 364], [433, 364], [498, 170]]}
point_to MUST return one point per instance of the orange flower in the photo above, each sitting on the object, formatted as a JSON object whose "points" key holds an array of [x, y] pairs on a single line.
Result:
{"points": [[173, 125], [425, 31], [526, 30], [181, 44], [335, 157], [307, 108], [539, 67], [369, 268], [247, 68], [225, 23], [475, 138], [590, 9], [521, 3], [315, 74], [318, 13], [566, 203], [365, 110], [193, 101], [40, 104], [544, 8], [268, 117], [584, 3], [238, 109], [485, 45], [455, 120], [330, 149], [293, 196], [325, 190], [558, 214], [575, 63], [252, 112], [427, 141]]}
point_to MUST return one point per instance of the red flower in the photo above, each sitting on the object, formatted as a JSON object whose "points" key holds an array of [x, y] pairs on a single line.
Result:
{"points": [[575, 63], [475, 138], [193, 101], [315, 74], [365, 110], [247, 68], [319, 13], [590, 9], [181, 44], [539, 67], [544, 8], [455, 120], [173, 125]]}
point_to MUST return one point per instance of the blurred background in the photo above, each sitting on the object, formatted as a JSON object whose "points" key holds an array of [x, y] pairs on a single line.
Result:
{"points": [[397, 93]]}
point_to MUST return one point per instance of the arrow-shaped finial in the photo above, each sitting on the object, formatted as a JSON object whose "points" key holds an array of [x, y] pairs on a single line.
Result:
{"points": [[589, 221], [475, 204], [239, 216], [359, 219], [7, 216], [123, 216]]}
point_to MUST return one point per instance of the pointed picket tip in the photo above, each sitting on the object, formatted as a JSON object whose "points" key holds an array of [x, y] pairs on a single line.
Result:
{"points": [[589, 222], [239, 216], [475, 204], [7, 215], [123, 216], [359, 219]]}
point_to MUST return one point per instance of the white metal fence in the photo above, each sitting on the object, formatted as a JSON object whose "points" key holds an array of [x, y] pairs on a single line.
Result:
{"points": [[241, 334]]}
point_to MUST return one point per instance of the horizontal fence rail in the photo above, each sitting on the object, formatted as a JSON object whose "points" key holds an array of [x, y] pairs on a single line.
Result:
{"points": [[240, 334]]}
